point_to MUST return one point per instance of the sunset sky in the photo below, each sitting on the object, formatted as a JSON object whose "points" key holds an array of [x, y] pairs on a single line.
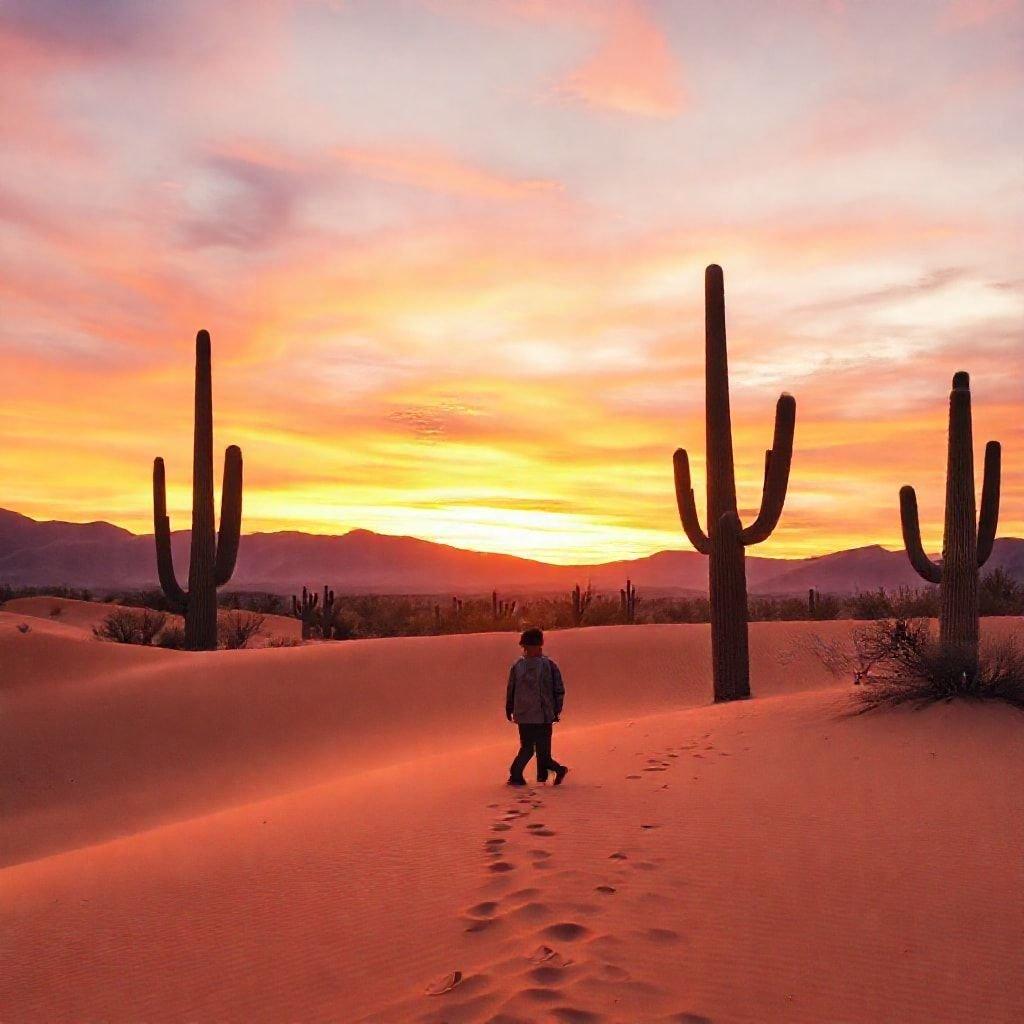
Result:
{"points": [[451, 257]]}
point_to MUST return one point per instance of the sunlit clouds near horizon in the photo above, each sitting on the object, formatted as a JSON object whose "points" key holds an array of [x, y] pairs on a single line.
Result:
{"points": [[451, 257]]}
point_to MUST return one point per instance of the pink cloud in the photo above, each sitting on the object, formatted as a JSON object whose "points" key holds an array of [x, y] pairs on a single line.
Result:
{"points": [[633, 70], [961, 14], [437, 171]]}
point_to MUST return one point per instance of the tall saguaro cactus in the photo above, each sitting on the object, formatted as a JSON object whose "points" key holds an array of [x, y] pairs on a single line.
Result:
{"points": [[726, 537], [213, 556], [966, 544]]}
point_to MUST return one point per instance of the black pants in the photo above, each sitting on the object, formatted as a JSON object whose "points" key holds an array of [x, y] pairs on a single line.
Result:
{"points": [[534, 738]]}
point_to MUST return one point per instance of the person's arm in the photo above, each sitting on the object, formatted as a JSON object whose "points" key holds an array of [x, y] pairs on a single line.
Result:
{"points": [[558, 690], [510, 693]]}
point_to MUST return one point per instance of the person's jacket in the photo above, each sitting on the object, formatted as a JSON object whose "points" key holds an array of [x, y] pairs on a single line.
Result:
{"points": [[535, 691]]}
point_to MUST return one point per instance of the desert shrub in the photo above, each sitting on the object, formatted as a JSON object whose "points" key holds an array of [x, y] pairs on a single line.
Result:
{"points": [[24, 627], [284, 641], [261, 602], [907, 665], [907, 603], [131, 626], [872, 604], [56, 611], [9, 593], [172, 638], [826, 606], [1000, 594], [154, 599], [235, 629]]}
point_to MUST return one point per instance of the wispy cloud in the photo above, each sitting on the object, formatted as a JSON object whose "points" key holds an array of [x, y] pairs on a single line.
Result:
{"points": [[430, 168], [633, 70]]}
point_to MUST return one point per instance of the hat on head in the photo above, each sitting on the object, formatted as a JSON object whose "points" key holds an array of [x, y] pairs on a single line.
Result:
{"points": [[531, 638]]}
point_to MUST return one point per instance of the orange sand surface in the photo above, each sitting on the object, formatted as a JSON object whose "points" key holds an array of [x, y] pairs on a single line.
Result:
{"points": [[323, 834]]}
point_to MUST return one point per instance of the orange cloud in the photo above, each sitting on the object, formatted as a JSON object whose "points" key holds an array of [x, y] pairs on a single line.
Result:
{"points": [[633, 70], [432, 169]]}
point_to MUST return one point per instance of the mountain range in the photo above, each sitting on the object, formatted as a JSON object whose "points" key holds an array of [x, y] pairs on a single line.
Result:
{"points": [[106, 557]]}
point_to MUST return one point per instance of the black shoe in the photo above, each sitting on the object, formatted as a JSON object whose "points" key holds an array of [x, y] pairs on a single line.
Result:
{"points": [[541, 780], [515, 782], [560, 773]]}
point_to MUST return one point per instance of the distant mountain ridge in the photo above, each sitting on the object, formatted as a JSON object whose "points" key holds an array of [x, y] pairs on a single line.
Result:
{"points": [[106, 557]]}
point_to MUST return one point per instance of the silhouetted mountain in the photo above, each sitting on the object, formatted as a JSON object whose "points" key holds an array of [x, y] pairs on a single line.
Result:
{"points": [[107, 557]]}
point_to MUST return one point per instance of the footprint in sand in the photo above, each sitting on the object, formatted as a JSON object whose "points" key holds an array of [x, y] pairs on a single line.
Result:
{"points": [[606, 890], [486, 909], [532, 912], [650, 826], [541, 995], [571, 1015], [544, 832], [658, 769], [619, 855], [634, 776], [566, 931], [548, 956], [482, 925], [501, 866], [660, 935], [523, 895], [501, 828], [547, 975]]}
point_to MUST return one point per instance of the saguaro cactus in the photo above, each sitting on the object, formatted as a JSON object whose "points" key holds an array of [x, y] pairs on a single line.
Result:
{"points": [[726, 537], [966, 544], [502, 611], [213, 556], [305, 609], [327, 614], [581, 600], [627, 602]]}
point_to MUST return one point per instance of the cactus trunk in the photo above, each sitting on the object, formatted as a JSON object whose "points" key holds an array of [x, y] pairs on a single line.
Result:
{"points": [[728, 578], [201, 614], [958, 592], [727, 574], [966, 540], [212, 557], [726, 539]]}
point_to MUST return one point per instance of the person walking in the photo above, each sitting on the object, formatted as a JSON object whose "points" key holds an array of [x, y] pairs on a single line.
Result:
{"points": [[533, 701]]}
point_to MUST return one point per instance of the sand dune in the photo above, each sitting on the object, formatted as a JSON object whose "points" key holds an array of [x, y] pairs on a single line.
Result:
{"points": [[322, 834], [86, 615]]}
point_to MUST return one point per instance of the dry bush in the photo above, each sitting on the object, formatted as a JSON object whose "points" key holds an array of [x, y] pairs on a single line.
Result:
{"points": [[284, 641], [131, 626], [906, 665], [172, 638], [235, 629]]}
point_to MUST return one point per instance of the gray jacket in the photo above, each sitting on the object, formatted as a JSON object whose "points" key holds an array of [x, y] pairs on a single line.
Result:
{"points": [[535, 691]]}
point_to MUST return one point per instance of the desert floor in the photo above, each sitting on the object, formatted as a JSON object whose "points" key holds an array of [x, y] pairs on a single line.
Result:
{"points": [[323, 834]]}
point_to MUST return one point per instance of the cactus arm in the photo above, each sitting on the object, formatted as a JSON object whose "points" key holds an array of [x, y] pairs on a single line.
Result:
{"points": [[230, 515], [176, 597], [776, 473], [687, 503], [924, 566], [989, 516]]}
